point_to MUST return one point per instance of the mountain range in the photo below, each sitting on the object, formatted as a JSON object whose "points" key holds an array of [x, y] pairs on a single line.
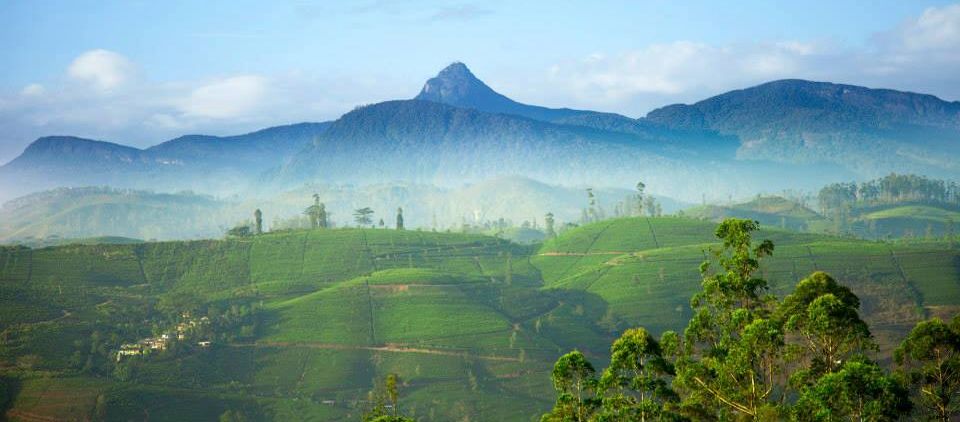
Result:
{"points": [[457, 130]]}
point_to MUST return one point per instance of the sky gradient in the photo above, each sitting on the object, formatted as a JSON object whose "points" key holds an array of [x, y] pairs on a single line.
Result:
{"points": [[139, 73]]}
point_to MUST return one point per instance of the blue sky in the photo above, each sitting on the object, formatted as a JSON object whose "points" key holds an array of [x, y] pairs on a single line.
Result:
{"points": [[142, 72]]}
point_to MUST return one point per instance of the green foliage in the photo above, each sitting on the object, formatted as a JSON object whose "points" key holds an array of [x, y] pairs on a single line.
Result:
{"points": [[859, 391], [730, 359], [363, 216], [635, 384], [385, 400], [826, 315], [240, 231], [930, 361], [575, 381], [471, 324]]}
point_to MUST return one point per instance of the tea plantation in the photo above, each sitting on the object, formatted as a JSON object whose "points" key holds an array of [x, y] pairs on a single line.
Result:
{"points": [[302, 324]]}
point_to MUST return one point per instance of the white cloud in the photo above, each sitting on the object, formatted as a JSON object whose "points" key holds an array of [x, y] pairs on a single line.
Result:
{"points": [[675, 68], [226, 98], [938, 28], [922, 54], [33, 90], [102, 70]]}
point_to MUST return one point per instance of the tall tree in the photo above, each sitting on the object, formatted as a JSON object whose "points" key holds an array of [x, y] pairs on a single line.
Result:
{"points": [[860, 391], [930, 359], [730, 361], [258, 222], [316, 213], [635, 383], [400, 218], [384, 402], [592, 202], [825, 315], [639, 197], [363, 216], [549, 222], [575, 381], [322, 216]]}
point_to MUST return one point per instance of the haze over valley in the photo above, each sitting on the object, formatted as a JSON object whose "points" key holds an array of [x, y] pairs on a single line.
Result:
{"points": [[460, 211]]}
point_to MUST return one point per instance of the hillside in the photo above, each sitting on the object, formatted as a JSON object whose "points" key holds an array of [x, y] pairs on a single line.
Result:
{"points": [[423, 141], [771, 211], [200, 162], [303, 321], [780, 135], [873, 131], [71, 213]]}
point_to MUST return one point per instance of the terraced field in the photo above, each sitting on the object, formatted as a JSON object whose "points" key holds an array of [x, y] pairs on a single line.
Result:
{"points": [[472, 324]]}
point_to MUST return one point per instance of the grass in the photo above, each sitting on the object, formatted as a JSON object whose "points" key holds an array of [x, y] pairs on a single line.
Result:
{"points": [[471, 323], [917, 212]]}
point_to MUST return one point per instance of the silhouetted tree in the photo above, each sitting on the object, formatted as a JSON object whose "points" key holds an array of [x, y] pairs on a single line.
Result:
{"points": [[363, 216], [639, 197], [400, 218], [549, 222], [257, 221]]}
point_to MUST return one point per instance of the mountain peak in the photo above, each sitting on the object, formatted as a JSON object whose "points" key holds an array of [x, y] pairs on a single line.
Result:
{"points": [[456, 70], [457, 86]]}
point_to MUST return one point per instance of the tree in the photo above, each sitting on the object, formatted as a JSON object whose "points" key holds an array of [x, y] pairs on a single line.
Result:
{"points": [[382, 397], [635, 383], [381, 223], [826, 317], [258, 222], [242, 230], [316, 213], [392, 393], [233, 416], [650, 203], [549, 222], [363, 216], [574, 379], [639, 197], [400, 218], [860, 391], [930, 360], [729, 362], [322, 216], [592, 202]]}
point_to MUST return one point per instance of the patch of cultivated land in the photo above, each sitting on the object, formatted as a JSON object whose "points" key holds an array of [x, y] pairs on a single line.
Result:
{"points": [[472, 324]]}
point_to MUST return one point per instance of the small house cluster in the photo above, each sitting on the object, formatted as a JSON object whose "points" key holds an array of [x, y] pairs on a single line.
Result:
{"points": [[183, 331]]}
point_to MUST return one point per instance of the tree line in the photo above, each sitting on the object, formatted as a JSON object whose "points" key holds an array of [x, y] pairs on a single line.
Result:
{"points": [[891, 189], [316, 217]]}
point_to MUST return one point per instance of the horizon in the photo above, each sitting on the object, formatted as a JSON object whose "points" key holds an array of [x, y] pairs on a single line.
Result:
{"points": [[221, 75], [287, 124]]}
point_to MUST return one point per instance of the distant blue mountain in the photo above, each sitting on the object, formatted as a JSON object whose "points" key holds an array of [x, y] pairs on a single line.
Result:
{"points": [[873, 131], [776, 135], [201, 162], [456, 85]]}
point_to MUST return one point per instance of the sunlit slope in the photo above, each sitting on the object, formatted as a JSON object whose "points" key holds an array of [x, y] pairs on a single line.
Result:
{"points": [[649, 282], [471, 323], [455, 315]]}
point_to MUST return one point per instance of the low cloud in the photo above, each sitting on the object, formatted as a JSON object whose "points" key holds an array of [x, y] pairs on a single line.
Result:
{"points": [[105, 95], [102, 70], [227, 98], [921, 54]]}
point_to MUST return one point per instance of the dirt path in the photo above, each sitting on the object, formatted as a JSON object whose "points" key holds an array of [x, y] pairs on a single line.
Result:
{"points": [[391, 348], [20, 415], [581, 253]]}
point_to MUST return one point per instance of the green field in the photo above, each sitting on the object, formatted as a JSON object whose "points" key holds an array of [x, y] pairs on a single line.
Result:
{"points": [[471, 323]]}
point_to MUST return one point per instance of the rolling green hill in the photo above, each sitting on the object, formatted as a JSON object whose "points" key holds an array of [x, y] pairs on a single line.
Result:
{"points": [[303, 322], [771, 211]]}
